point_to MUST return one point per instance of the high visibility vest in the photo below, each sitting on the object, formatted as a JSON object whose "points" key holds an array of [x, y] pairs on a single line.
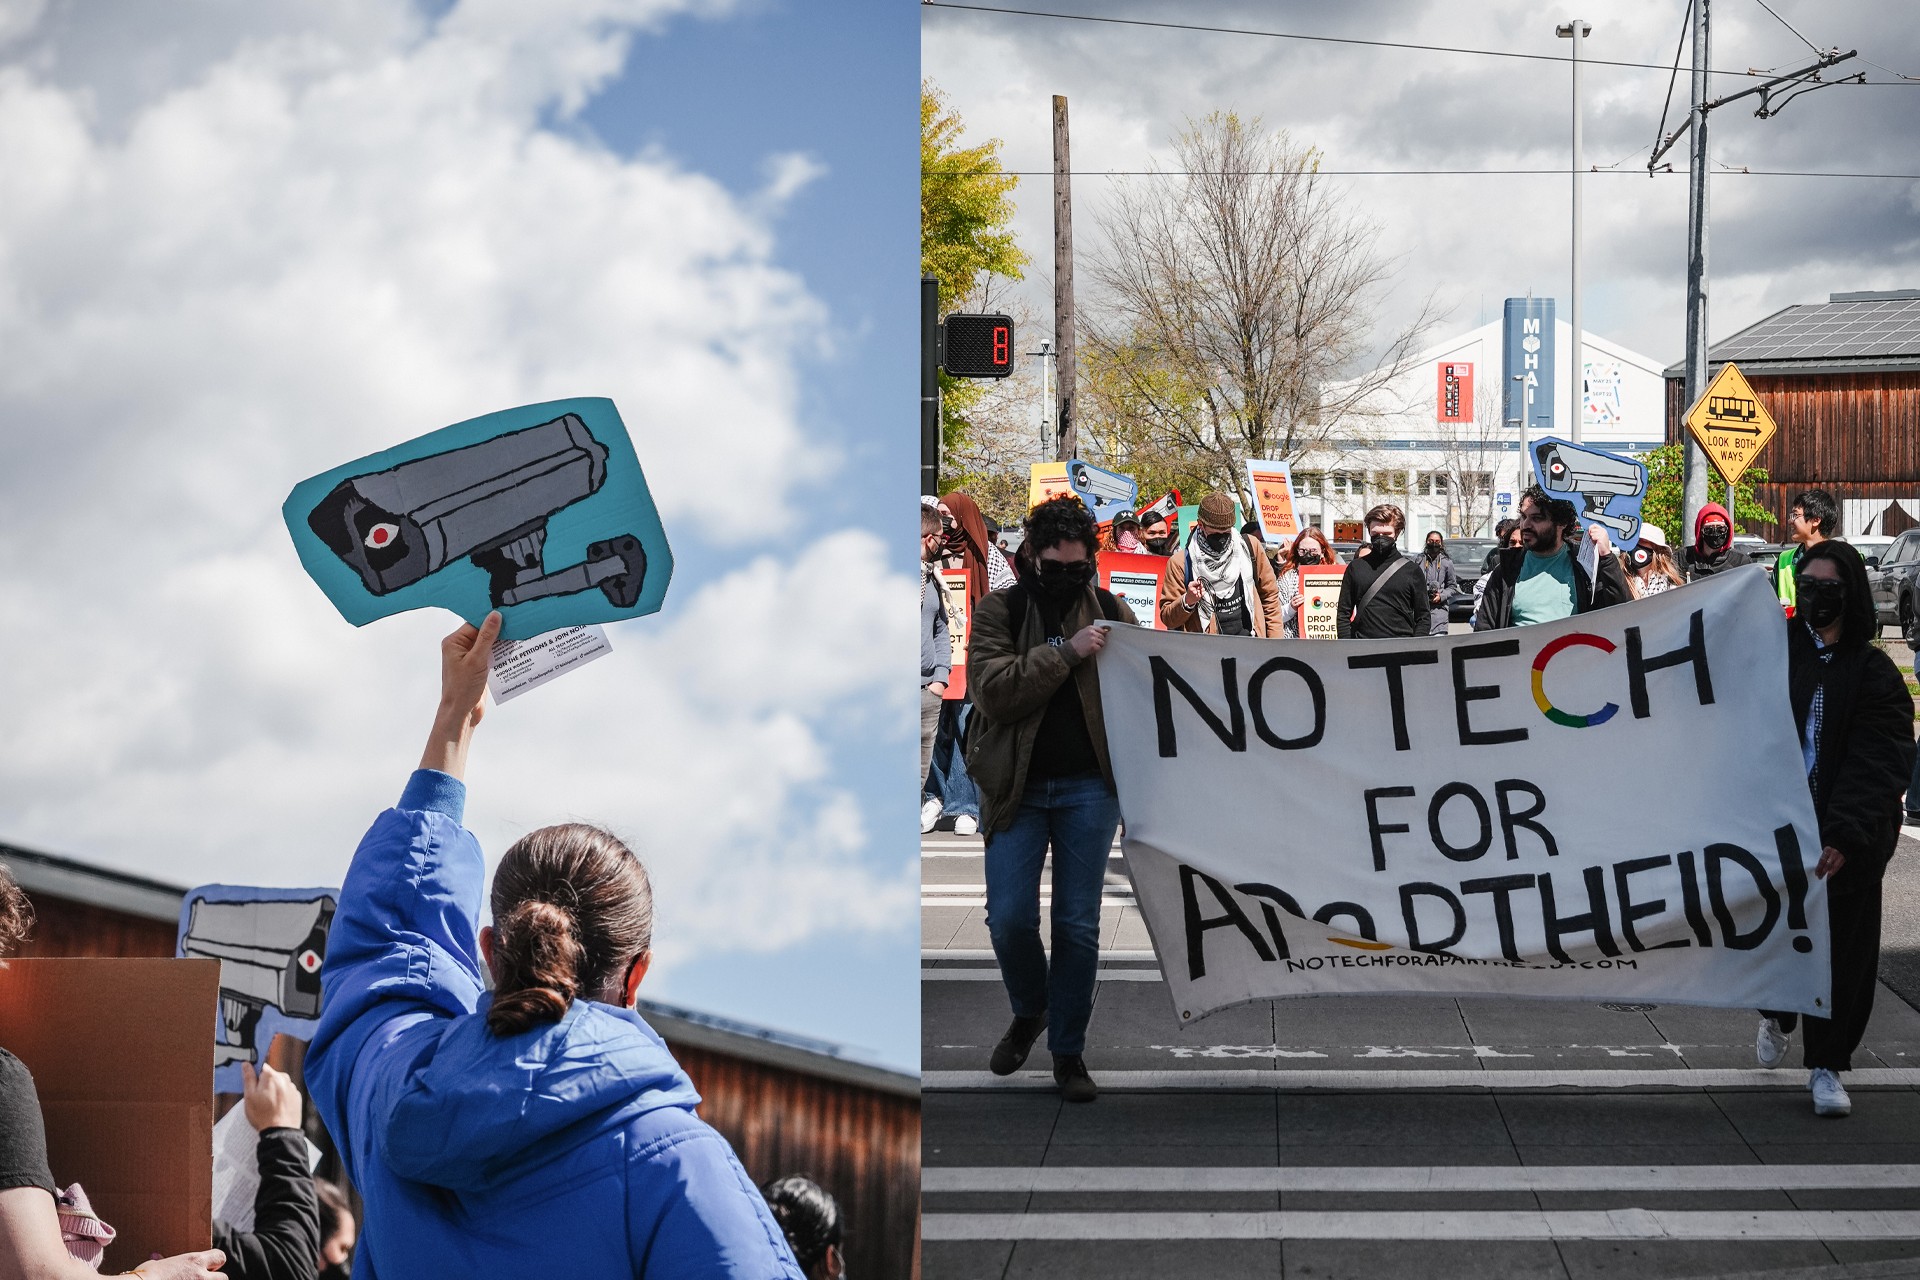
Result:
{"points": [[1783, 579]]}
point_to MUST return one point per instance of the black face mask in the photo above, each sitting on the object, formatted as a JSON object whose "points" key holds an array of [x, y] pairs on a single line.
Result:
{"points": [[1433, 550], [1820, 601], [1715, 537], [1062, 582], [1307, 555], [1159, 546], [1217, 542], [1641, 558], [1383, 547]]}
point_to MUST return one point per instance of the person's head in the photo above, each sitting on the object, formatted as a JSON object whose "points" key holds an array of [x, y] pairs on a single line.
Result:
{"points": [[1155, 533], [572, 919], [1545, 523], [1712, 530], [1214, 526], [16, 914], [1060, 545], [810, 1219], [932, 535], [1435, 545], [1813, 516], [1513, 538], [1830, 586], [1126, 532], [337, 1229], [1312, 547], [1503, 531], [1384, 524]]}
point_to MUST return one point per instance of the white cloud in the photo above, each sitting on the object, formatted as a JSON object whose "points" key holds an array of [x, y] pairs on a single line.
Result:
{"points": [[318, 231]]}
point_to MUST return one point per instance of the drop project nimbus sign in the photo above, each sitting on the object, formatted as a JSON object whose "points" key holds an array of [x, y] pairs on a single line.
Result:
{"points": [[1528, 335]]}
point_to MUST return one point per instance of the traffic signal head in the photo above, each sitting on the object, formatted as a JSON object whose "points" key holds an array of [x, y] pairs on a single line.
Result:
{"points": [[977, 346]]}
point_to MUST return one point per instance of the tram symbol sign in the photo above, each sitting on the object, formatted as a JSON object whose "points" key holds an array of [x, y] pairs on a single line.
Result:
{"points": [[1730, 423]]}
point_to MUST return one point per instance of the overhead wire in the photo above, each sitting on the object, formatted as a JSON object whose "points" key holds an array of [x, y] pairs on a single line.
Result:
{"points": [[1203, 28]]}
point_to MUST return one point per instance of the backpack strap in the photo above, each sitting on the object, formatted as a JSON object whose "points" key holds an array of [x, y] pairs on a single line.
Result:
{"points": [[1379, 581]]}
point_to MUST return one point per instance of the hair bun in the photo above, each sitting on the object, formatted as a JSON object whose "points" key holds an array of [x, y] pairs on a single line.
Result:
{"points": [[537, 954]]}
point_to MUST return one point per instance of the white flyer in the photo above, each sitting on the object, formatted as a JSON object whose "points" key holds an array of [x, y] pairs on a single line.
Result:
{"points": [[520, 665]]}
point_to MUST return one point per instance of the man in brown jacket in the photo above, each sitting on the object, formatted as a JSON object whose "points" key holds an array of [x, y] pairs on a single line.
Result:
{"points": [[1037, 750], [1220, 582]]}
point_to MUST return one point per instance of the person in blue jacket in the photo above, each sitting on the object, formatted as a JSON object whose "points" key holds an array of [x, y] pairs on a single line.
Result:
{"points": [[542, 1130]]}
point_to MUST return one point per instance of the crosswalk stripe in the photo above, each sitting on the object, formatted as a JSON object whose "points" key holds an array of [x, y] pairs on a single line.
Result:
{"points": [[993, 975], [1525, 1224], [1361, 1079], [1422, 1178]]}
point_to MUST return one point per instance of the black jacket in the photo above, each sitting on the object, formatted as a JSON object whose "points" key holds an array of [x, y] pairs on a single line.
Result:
{"points": [[285, 1241], [1399, 610], [1696, 563], [1865, 749], [1496, 602]]}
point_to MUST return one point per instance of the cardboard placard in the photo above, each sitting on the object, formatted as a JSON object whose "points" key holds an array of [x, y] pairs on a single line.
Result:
{"points": [[1135, 578], [955, 582], [270, 944], [1272, 485], [123, 1064], [1320, 600], [1047, 481]]}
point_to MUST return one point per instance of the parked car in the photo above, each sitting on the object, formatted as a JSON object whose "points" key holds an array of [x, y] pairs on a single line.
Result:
{"points": [[1891, 578], [1469, 562]]}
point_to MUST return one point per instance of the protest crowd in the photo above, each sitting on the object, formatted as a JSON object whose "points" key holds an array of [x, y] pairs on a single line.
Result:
{"points": [[1023, 755], [498, 1106]]}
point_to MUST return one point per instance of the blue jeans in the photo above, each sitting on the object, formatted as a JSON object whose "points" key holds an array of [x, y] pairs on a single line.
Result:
{"points": [[1078, 817], [948, 777]]}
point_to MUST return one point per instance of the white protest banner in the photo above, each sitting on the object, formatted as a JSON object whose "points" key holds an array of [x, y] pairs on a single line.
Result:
{"points": [[1444, 816]]}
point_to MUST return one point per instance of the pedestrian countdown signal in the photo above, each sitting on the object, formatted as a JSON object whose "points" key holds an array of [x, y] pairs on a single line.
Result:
{"points": [[977, 346]]}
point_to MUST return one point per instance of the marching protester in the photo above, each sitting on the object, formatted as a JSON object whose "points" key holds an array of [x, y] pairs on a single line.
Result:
{"points": [[336, 1231], [285, 1241], [1383, 594], [967, 547], [1542, 579], [1442, 580], [810, 1218], [1309, 548], [1506, 534], [30, 1241], [1649, 566], [1039, 753], [1712, 550], [1812, 518], [936, 655], [1220, 582], [542, 1128], [1155, 536], [1856, 728]]}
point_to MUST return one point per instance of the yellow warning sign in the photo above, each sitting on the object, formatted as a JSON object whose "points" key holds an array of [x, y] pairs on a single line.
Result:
{"points": [[1730, 423]]}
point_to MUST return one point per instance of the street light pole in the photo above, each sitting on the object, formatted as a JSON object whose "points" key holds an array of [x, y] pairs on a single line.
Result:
{"points": [[1046, 393], [1576, 385], [1520, 401]]}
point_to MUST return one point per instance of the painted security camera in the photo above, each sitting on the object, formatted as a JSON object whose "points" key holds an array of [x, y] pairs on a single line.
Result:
{"points": [[271, 945], [1607, 487], [540, 512], [1105, 494]]}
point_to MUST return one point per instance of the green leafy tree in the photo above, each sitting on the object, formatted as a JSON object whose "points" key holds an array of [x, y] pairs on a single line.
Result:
{"points": [[1666, 495], [966, 206]]}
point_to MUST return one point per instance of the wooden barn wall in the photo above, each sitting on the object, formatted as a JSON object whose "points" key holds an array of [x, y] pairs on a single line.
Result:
{"points": [[862, 1145], [63, 927]]}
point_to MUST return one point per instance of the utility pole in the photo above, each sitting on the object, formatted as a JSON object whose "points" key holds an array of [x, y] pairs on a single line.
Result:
{"points": [[929, 385], [1694, 468], [1804, 80], [1576, 385], [1065, 425]]}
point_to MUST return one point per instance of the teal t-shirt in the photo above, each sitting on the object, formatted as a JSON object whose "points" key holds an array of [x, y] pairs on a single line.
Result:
{"points": [[1544, 592]]}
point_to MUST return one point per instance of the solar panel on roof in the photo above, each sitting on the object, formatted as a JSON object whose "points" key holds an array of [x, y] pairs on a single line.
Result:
{"points": [[1833, 330]]}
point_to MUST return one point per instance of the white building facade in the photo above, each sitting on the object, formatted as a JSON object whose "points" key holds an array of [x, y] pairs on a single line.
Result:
{"points": [[1461, 477]]}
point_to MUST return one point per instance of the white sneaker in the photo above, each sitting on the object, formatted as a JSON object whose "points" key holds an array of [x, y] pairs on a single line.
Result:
{"points": [[1770, 1045], [966, 825], [930, 813], [1829, 1096]]}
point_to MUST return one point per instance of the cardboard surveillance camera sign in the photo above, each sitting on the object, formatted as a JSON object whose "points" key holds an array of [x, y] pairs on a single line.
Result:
{"points": [[541, 512], [1605, 488], [270, 944]]}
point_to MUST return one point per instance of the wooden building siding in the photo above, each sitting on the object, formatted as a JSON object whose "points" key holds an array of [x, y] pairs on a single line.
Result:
{"points": [[1835, 429], [862, 1145], [62, 927]]}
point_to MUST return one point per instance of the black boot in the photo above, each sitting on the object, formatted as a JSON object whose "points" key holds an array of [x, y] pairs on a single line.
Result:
{"points": [[1014, 1046], [1070, 1073]]}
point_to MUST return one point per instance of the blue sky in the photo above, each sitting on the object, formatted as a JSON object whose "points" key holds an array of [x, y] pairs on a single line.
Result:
{"points": [[243, 244]]}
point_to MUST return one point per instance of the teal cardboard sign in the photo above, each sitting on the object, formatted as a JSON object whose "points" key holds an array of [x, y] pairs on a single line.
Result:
{"points": [[540, 512]]}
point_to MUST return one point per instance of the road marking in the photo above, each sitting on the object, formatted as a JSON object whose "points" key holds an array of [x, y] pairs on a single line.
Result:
{"points": [[1362, 1080], [993, 975], [1527, 1224], [985, 953], [1417, 1178]]}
